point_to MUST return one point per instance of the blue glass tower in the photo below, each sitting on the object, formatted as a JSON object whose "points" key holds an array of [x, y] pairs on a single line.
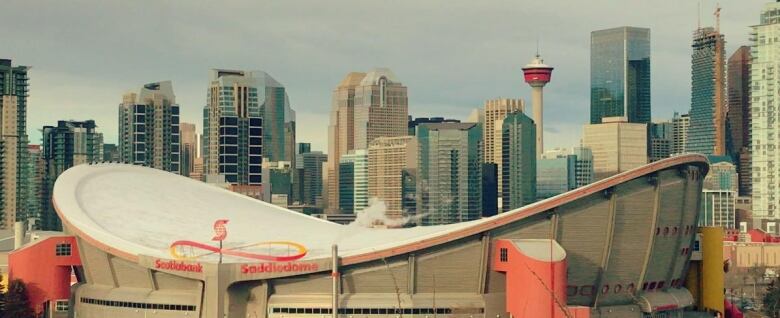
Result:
{"points": [[620, 74]]}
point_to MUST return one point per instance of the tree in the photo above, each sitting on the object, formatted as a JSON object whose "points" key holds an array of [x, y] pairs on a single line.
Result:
{"points": [[772, 298], [17, 303]]}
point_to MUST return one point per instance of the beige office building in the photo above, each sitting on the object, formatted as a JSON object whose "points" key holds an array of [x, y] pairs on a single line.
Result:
{"points": [[189, 148], [496, 110], [365, 106], [492, 117], [617, 146], [387, 157]]}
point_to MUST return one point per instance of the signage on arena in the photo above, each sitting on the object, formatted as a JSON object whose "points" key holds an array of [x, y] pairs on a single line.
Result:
{"points": [[278, 268], [273, 251], [178, 266]]}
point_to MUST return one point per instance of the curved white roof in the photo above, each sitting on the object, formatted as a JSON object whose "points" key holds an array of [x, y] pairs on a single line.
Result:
{"points": [[132, 210], [141, 211], [373, 76]]}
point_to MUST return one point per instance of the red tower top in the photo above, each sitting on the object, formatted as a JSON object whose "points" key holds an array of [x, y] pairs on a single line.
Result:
{"points": [[536, 72]]}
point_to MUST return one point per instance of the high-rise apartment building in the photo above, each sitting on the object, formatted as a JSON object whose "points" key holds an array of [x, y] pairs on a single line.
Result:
{"points": [[738, 119], [706, 134], [518, 160], [353, 181], [617, 146], [365, 106], [680, 125], [765, 115], [68, 144], [149, 127], [32, 190], [449, 173], [620, 74], [661, 140], [13, 138], [233, 126], [388, 157]]}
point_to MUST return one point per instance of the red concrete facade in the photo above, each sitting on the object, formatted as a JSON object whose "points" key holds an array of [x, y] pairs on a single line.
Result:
{"points": [[534, 288], [45, 268]]}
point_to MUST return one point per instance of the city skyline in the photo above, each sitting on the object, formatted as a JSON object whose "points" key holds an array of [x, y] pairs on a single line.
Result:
{"points": [[453, 85]]}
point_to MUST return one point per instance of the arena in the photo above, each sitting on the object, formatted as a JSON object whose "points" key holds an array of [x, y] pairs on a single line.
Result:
{"points": [[149, 247]]}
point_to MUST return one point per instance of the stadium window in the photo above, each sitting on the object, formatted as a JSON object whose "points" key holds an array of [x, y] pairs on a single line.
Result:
{"points": [[61, 305], [63, 249], [504, 257]]}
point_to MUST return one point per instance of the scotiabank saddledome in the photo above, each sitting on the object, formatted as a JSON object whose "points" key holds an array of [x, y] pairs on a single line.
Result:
{"points": [[149, 243]]}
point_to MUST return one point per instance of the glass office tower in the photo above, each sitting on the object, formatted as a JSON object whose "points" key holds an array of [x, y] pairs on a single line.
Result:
{"points": [[620, 74], [702, 134]]}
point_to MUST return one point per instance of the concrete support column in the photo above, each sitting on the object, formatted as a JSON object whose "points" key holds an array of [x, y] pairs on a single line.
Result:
{"points": [[537, 100], [215, 292]]}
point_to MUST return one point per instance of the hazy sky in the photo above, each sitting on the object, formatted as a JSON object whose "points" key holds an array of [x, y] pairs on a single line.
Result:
{"points": [[452, 55]]}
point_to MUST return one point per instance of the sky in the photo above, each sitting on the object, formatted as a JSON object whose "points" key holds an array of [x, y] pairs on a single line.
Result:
{"points": [[452, 55]]}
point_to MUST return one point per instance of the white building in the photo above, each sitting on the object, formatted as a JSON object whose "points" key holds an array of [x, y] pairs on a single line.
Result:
{"points": [[766, 115]]}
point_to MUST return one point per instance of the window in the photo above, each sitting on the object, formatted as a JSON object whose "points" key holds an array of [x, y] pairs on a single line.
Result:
{"points": [[504, 255], [127, 304], [61, 305], [63, 249]]}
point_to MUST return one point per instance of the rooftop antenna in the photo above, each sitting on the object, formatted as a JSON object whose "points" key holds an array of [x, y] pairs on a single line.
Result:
{"points": [[537, 46]]}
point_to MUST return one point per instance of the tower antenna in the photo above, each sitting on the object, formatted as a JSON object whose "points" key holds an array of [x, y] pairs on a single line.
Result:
{"points": [[537, 46]]}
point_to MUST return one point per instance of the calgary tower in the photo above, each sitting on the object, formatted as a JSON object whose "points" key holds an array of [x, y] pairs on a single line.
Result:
{"points": [[537, 74]]}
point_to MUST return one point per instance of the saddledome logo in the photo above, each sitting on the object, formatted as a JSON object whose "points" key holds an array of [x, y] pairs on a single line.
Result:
{"points": [[274, 251]]}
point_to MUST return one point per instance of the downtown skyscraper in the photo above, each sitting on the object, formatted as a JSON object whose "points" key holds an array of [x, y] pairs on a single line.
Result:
{"points": [[706, 134], [149, 127], [68, 144], [620, 74], [518, 158], [765, 116], [233, 127], [738, 115], [449, 176], [365, 106], [13, 142]]}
